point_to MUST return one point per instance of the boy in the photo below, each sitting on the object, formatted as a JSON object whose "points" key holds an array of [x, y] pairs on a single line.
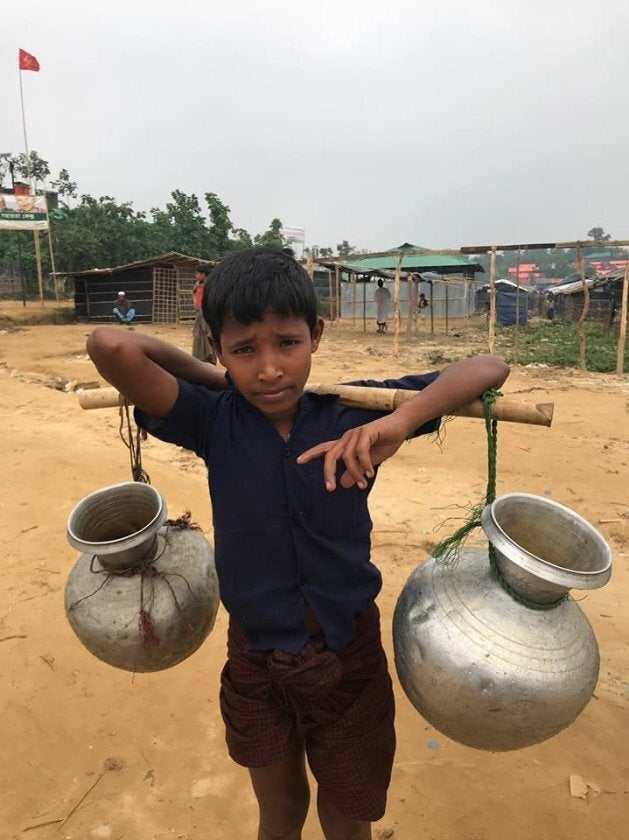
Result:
{"points": [[306, 673]]}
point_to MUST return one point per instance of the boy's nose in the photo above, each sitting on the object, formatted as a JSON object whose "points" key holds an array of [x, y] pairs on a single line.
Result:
{"points": [[269, 368]]}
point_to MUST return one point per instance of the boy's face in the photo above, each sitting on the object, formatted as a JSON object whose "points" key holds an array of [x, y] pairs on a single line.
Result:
{"points": [[269, 361]]}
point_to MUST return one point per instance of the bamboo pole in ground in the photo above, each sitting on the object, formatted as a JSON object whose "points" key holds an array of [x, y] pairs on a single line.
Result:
{"points": [[447, 290], [410, 294], [586, 306], [491, 322], [330, 293], [353, 281], [364, 284], [377, 399], [336, 293], [432, 309], [52, 262], [622, 335], [40, 277], [396, 305], [517, 308]]}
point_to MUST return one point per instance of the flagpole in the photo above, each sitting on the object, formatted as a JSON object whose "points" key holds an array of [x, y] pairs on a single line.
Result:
{"points": [[40, 277], [28, 159]]}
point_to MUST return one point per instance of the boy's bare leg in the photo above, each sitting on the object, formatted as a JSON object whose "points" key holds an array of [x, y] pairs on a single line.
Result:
{"points": [[338, 827], [283, 797]]}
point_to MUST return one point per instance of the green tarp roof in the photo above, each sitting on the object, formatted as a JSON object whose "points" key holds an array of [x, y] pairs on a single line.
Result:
{"points": [[440, 263]]}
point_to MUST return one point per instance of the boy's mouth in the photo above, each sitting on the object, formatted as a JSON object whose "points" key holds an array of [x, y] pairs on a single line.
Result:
{"points": [[273, 396]]}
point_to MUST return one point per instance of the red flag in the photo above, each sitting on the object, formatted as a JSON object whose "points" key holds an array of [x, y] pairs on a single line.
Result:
{"points": [[28, 61]]}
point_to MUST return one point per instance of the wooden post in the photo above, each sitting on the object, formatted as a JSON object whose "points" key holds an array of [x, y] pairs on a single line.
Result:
{"points": [[622, 335], [40, 278], [396, 305], [586, 306], [353, 276], [337, 299], [411, 287], [364, 304], [432, 308], [517, 309], [447, 294], [330, 293], [310, 266], [491, 324], [52, 264]]}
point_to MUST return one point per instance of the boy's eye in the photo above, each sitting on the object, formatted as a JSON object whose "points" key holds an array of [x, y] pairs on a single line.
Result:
{"points": [[288, 342], [240, 351]]}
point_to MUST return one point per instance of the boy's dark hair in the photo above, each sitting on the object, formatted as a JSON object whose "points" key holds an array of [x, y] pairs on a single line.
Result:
{"points": [[203, 268], [250, 282]]}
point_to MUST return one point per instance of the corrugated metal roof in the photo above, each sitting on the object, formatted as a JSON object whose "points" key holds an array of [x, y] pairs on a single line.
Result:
{"points": [[575, 286], [169, 257]]}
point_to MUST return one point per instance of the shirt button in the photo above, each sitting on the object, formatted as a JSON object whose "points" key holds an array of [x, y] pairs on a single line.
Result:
{"points": [[287, 452]]}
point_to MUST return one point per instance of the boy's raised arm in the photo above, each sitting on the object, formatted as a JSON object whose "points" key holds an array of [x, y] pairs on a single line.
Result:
{"points": [[366, 446], [144, 368]]}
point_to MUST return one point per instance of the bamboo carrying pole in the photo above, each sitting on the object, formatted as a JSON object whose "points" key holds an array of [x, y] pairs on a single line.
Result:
{"points": [[378, 399], [622, 335]]}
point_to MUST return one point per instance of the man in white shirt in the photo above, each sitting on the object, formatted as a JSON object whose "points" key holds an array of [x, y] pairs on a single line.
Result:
{"points": [[382, 297]]}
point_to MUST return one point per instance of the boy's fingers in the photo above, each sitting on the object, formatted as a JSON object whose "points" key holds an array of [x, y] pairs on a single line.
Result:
{"points": [[315, 452]]}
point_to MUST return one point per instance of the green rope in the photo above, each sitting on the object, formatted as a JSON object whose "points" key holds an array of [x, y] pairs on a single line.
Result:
{"points": [[447, 551]]}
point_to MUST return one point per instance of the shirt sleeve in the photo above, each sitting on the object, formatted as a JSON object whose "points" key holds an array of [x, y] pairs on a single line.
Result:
{"points": [[190, 421], [359, 417]]}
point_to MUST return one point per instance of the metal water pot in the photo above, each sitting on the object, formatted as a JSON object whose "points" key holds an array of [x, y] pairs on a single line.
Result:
{"points": [[499, 658], [144, 595]]}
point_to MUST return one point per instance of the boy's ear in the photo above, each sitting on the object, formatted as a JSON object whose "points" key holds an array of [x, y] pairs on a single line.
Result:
{"points": [[316, 333]]}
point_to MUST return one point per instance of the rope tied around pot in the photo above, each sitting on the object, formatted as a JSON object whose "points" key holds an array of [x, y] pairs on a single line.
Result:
{"points": [[133, 442], [447, 551], [148, 573]]}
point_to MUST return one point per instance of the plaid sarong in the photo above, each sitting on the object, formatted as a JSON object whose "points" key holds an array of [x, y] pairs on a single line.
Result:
{"points": [[340, 707]]}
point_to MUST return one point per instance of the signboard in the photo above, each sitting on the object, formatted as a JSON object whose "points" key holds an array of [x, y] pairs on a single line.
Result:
{"points": [[294, 234], [23, 212]]}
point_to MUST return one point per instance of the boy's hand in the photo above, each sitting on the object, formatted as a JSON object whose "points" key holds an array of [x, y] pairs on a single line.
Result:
{"points": [[360, 449]]}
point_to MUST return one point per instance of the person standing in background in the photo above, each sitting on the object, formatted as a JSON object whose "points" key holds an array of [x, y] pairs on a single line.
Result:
{"points": [[201, 347], [382, 297]]}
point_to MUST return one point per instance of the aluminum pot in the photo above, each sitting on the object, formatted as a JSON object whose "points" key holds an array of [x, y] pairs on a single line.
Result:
{"points": [[143, 596], [473, 654]]}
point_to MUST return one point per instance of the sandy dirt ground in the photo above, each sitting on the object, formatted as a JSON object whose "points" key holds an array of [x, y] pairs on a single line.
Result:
{"points": [[143, 758]]}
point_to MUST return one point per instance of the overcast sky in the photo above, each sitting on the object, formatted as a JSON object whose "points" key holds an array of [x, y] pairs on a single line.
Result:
{"points": [[441, 123]]}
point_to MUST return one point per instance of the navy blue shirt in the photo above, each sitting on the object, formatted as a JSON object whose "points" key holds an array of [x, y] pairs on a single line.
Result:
{"points": [[281, 539]]}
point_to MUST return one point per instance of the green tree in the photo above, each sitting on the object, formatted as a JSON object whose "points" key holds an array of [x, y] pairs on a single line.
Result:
{"points": [[65, 187], [242, 238], [220, 228], [39, 168], [344, 249], [598, 234], [181, 226], [272, 238]]}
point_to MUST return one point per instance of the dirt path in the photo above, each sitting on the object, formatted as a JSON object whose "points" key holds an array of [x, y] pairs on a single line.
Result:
{"points": [[157, 739]]}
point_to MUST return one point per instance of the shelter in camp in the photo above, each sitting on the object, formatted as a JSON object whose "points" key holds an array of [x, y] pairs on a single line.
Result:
{"points": [[508, 309], [447, 282], [605, 295], [159, 288], [441, 264]]}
